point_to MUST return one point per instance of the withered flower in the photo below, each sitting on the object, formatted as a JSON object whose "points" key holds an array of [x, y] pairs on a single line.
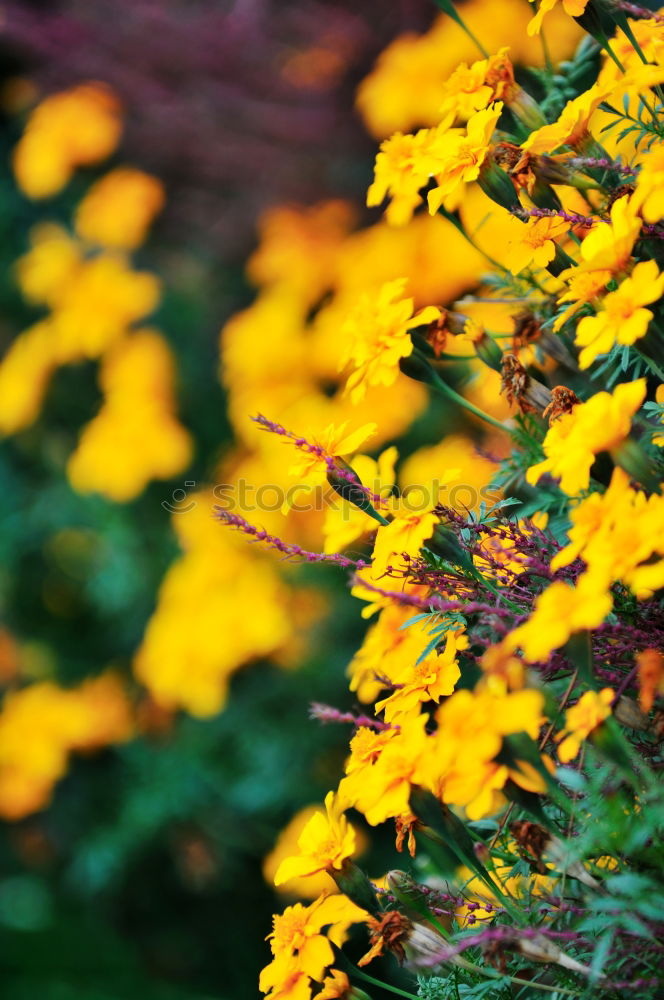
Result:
{"points": [[520, 388], [563, 400]]}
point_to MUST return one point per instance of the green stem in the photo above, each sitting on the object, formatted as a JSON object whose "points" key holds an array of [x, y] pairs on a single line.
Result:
{"points": [[383, 986], [452, 394]]}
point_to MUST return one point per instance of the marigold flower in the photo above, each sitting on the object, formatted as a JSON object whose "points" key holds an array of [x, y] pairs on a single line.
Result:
{"points": [[617, 533], [574, 8], [117, 211], [533, 242], [300, 948], [378, 331], [648, 198], [622, 319], [561, 610], [403, 166], [573, 441], [381, 790], [605, 251], [459, 766], [572, 125], [580, 720], [336, 986], [472, 88], [74, 128], [325, 843], [314, 462], [389, 652], [136, 436], [42, 724], [427, 680], [462, 154]]}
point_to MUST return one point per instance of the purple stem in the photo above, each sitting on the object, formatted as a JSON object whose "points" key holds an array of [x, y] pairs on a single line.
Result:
{"points": [[286, 548]]}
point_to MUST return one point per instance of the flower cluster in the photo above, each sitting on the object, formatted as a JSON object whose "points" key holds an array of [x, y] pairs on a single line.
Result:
{"points": [[90, 298], [517, 643]]}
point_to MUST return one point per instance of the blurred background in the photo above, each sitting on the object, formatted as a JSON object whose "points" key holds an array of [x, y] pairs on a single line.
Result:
{"points": [[170, 170]]}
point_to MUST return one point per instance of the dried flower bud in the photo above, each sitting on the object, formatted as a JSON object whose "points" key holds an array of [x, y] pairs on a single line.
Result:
{"points": [[426, 951], [628, 713], [563, 400], [520, 388], [388, 932]]}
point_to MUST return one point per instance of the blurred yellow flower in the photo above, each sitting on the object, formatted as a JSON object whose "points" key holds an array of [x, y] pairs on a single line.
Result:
{"points": [[559, 611], [71, 129], [42, 724], [136, 436], [118, 209], [592, 708]]}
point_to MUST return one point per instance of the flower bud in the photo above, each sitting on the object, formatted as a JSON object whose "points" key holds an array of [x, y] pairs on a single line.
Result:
{"points": [[427, 951], [352, 881], [497, 185]]}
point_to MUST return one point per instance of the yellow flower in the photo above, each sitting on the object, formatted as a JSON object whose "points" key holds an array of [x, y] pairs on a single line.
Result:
{"points": [[136, 436], [574, 8], [381, 790], [453, 472], [306, 886], [74, 128], [580, 720], [378, 334], [426, 680], [617, 533], [403, 166], [559, 611], [605, 251], [336, 986], [462, 154], [622, 319], [42, 724], [311, 467], [25, 372], [405, 534], [219, 585], [460, 767], [325, 843], [472, 88], [533, 242], [572, 125], [403, 89], [389, 651], [51, 263], [573, 441], [299, 946], [299, 247], [117, 210], [649, 195]]}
